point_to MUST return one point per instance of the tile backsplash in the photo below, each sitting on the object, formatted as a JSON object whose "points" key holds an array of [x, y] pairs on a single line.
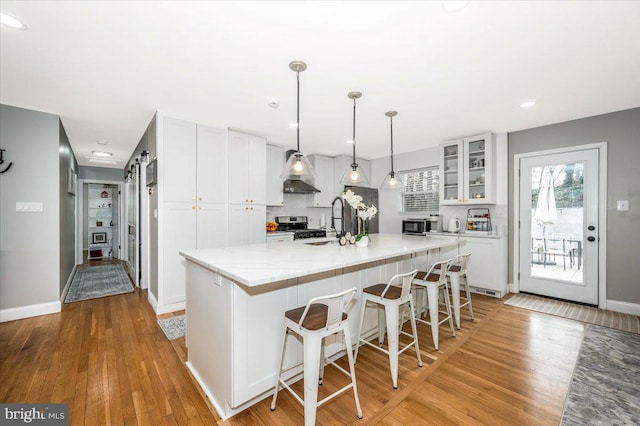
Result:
{"points": [[296, 205], [499, 215]]}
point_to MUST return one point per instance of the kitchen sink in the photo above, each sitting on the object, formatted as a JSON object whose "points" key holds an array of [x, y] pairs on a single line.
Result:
{"points": [[319, 243]]}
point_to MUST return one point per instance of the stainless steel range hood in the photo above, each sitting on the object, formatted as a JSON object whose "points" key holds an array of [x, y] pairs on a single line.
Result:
{"points": [[297, 186]]}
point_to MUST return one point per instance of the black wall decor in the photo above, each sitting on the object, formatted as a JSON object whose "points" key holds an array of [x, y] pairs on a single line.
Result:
{"points": [[2, 162]]}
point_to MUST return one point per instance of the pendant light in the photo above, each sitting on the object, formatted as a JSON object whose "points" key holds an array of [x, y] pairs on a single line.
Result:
{"points": [[391, 181], [298, 166], [354, 175]]}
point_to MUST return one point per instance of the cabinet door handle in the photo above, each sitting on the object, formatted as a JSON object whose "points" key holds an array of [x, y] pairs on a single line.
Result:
{"points": [[252, 201], [246, 208], [193, 198], [246, 201], [193, 207], [199, 207], [199, 198], [251, 208]]}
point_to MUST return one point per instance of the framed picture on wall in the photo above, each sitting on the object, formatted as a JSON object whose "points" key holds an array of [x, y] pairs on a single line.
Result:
{"points": [[99, 237], [72, 181]]}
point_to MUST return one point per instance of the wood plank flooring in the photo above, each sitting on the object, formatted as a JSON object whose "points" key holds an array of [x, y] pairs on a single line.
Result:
{"points": [[110, 361]]}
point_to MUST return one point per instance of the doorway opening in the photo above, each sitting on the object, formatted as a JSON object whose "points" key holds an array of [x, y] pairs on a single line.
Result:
{"points": [[560, 214]]}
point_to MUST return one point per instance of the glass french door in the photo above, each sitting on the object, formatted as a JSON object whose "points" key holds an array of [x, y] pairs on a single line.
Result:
{"points": [[559, 225]]}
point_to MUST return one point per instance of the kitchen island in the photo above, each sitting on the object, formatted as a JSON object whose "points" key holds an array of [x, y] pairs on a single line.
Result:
{"points": [[236, 298]]}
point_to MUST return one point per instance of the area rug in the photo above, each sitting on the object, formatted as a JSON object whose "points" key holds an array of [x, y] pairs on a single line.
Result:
{"points": [[604, 387], [173, 327], [617, 320], [98, 281]]}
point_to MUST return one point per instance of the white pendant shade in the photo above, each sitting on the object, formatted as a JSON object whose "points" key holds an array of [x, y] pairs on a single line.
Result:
{"points": [[298, 167], [354, 175], [391, 182]]}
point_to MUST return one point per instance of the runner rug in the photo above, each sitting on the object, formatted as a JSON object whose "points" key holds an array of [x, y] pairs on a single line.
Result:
{"points": [[588, 314], [604, 386], [92, 282], [173, 327]]}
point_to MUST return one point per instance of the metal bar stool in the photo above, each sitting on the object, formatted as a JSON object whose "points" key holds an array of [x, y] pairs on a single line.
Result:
{"points": [[457, 274], [435, 282], [313, 323], [393, 299]]}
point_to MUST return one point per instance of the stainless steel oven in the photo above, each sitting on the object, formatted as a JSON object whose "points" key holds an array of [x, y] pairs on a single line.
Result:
{"points": [[416, 226]]}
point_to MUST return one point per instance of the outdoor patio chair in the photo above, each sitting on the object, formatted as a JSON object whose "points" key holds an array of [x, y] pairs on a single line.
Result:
{"points": [[554, 246]]}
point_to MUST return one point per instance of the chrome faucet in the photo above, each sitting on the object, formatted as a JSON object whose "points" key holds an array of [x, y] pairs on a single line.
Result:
{"points": [[333, 218]]}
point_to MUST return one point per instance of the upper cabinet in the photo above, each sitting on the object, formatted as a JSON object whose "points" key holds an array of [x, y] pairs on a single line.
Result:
{"points": [[324, 182], [467, 171], [247, 169], [275, 164], [193, 162]]}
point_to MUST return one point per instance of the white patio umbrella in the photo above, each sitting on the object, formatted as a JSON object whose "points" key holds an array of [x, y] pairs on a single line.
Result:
{"points": [[546, 213]]}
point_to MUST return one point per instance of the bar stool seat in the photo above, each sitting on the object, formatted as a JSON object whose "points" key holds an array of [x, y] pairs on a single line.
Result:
{"points": [[435, 282], [313, 322], [393, 299], [457, 274]]}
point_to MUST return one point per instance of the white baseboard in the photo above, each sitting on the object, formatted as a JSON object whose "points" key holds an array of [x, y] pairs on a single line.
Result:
{"points": [[624, 307], [65, 290], [165, 309], [29, 311], [152, 301]]}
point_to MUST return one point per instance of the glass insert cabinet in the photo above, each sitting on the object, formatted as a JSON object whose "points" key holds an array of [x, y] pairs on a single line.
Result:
{"points": [[467, 171]]}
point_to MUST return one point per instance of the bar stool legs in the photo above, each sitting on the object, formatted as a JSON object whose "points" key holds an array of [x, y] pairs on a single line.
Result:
{"points": [[457, 274], [393, 299], [435, 281], [313, 323]]}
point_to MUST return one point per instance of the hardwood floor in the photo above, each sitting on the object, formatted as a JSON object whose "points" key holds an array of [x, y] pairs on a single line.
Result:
{"points": [[110, 361]]}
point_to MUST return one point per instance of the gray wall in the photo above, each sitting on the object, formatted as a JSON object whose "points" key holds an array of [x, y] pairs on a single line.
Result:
{"points": [[29, 242], [148, 142], [100, 173], [67, 209], [621, 131]]}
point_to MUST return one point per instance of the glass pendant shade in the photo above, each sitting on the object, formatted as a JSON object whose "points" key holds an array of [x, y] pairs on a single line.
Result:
{"points": [[298, 167], [354, 175], [391, 182]]}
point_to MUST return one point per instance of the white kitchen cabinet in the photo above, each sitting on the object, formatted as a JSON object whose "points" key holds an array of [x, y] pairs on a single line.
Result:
{"points": [[487, 267], [467, 171], [178, 233], [324, 182], [177, 162], [211, 165], [193, 161], [247, 224], [211, 225], [247, 169], [275, 164]]}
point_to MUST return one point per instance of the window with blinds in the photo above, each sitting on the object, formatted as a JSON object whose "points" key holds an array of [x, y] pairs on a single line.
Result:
{"points": [[420, 192]]}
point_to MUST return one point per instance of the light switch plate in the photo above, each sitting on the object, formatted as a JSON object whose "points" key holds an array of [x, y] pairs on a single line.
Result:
{"points": [[623, 205], [25, 207]]}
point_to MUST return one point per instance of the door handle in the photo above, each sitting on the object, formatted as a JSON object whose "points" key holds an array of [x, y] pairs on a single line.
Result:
{"points": [[591, 239], [591, 228]]}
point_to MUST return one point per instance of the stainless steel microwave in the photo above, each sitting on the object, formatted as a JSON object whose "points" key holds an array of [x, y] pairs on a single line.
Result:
{"points": [[416, 226]]}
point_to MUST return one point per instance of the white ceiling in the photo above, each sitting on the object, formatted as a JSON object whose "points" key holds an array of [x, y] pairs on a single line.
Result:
{"points": [[106, 66]]}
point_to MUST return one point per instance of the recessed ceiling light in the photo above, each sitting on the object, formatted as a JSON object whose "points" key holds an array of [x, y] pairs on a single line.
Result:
{"points": [[273, 104], [102, 142], [101, 153], [293, 124], [11, 22], [527, 104], [454, 5]]}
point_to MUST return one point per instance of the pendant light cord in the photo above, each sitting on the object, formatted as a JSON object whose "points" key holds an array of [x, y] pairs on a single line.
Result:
{"points": [[354, 131], [392, 172], [298, 111]]}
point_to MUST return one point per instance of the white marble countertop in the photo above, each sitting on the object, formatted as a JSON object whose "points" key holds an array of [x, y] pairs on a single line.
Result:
{"points": [[259, 264], [465, 235]]}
